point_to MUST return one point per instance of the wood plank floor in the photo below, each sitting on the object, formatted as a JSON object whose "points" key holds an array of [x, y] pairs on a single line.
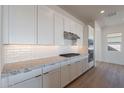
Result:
{"points": [[104, 75]]}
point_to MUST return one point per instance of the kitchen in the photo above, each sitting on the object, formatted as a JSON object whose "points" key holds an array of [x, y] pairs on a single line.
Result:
{"points": [[61, 46], [43, 47]]}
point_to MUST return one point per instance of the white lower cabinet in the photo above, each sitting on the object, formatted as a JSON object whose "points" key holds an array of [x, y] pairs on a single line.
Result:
{"points": [[30, 78], [51, 79], [73, 71], [91, 64], [54, 75], [85, 64], [51, 75], [79, 65], [35, 82], [65, 75]]}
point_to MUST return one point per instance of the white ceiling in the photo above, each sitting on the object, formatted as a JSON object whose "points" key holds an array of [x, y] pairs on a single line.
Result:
{"points": [[114, 14]]}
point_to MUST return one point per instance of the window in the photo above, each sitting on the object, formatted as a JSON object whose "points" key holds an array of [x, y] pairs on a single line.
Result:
{"points": [[114, 41]]}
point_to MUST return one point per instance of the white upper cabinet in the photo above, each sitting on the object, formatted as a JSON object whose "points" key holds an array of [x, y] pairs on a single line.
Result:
{"points": [[45, 25], [67, 25], [21, 24], [59, 29], [29, 24], [79, 31], [73, 27]]}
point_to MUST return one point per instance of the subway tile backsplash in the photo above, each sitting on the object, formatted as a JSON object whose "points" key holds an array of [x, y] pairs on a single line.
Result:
{"points": [[17, 53]]}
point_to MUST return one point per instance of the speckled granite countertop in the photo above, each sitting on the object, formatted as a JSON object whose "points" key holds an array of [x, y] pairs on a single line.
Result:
{"points": [[19, 67]]}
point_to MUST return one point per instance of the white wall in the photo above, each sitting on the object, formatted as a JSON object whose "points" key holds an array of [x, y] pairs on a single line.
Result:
{"points": [[17, 53], [113, 56], [98, 42]]}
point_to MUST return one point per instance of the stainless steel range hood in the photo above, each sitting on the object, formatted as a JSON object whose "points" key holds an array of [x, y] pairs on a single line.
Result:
{"points": [[70, 36]]}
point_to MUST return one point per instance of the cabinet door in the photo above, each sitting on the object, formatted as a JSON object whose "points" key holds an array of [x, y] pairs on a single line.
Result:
{"points": [[83, 65], [21, 26], [91, 64], [86, 64], [59, 30], [79, 31], [79, 68], [73, 71], [52, 79], [67, 25], [73, 27], [45, 26], [35, 82], [65, 75]]}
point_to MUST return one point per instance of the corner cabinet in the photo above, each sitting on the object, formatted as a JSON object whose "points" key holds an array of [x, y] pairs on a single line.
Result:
{"points": [[45, 25], [19, 24]]}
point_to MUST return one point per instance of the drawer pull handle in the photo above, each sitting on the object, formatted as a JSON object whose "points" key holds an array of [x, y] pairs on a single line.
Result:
{"points": [[46, 73], [27, 70], [38, 76], [77, 62]]}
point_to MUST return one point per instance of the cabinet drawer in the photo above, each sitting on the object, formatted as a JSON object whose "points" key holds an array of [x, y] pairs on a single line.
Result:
{"points": [[65, 63], [35, 82], [73, 60], [50, 67], [14, 79]]}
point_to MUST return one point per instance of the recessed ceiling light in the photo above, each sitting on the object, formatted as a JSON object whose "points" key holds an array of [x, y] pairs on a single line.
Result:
{"points": [[102, 11]]}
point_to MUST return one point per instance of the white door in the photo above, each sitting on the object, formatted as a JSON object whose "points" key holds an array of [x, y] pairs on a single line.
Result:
{"points": [[21, 26], [59, 30], [45, 25], [65, 75], [51, 79], [35, 82]]}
